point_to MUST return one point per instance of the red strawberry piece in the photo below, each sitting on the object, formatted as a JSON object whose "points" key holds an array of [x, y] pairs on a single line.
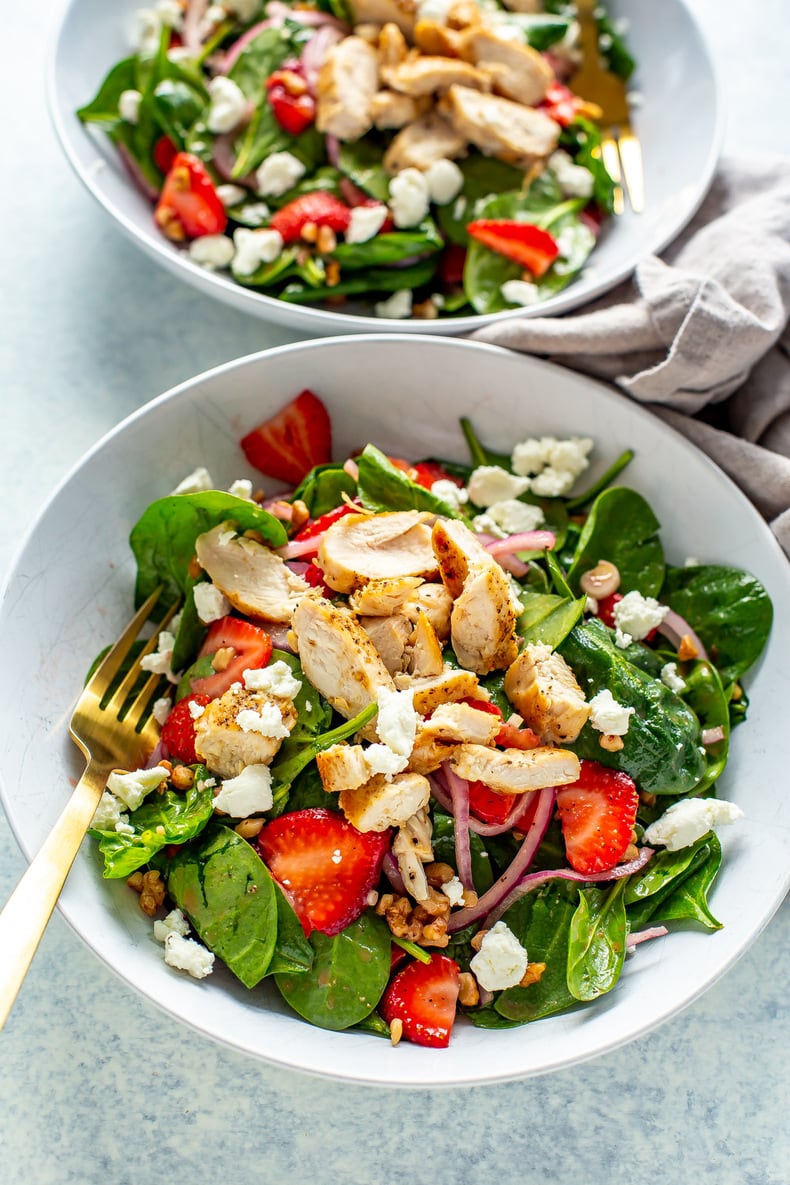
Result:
{"points": [[487, 805], [291, 443], [606, 608], [561, 104], [451, 265], [251, 646], [423, 997], [597, 814], [189, 206], [512, 737], [526, 244], [314, 576], [325, 866], [178, 731], [427, 472], [317, 526], [320, 208], [164, 153]]}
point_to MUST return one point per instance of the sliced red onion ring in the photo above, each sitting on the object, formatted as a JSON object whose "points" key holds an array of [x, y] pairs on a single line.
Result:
{"points": [[295, 548], [315, 52], [524, 541], [190, 29], [645, 935], [137, 175], [278, 634], [332, 145], [278, 13], [352, 195], [711, 736], [459, 794], [674, 628], [223, 155], [522, 803], [297, 566], [392, 873], [238, 47], [350, 467]]}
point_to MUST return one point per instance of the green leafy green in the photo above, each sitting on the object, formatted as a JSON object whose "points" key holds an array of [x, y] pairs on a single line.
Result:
{"points": [[541, 921], [103, 107], [663, 876], [705, 696], [295, 755], [582, 139], [293, 954], [361, 161], [323, 488], [370, 283], [689, 900], [390, 247], [382, 487], [483, 176], [621, 528], [444, 851], [548, 618], [596, 942]]}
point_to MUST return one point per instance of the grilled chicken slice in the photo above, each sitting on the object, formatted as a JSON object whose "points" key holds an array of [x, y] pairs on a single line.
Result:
{"points": [[412, 847], [342, 767], [483, 622], [435, 602], [253, 578], [453, 684], [388, 109], [513, 771], [361, 547], [380, 804], [426, 651], [380, 12], [228, 737], [518, 71], [450, 725], [337, 656], [499, 127], [382, 598], [347, 82], [422, 143], [430, 75], [543, 689], [392, 45], [433, 37], [457, 550], [390, 636]]}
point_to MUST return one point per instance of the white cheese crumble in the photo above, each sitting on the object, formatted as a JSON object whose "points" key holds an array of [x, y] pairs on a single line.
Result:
{"points": [[108, 815], [490, 484], [365, 222], [196, 710], [520, 292], [380, 759], [551, 465], [671, 679], [228, 105], [409, 197], [485, 525], [450, 493], [249, 793], [196, 482], [161, 709], [278, 173], [501, 961], [609, 716], [268, 721], [129, 106], [213, 252], [210, 602], [174, 923], [635, 616], [241, 488], [187, 955], [688, 820], [254, 247], [134, 786], [573, 180], [396, 723], [445, 181], [158, 663], [277, 679], [398, 306], [454, 891], [231, 195], [514, 516]]}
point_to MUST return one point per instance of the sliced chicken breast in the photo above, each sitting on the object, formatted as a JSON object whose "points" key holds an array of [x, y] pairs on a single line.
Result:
{"points": [[435, 602], [543, 689], [519, 72], [380, 12], [360, 547], [390, 636], [242, 728], [347, 82], [462, 723], [429, 75], [453, 684], [483, 622], [412, 847], [388, 109], [342, 767], [514, 771], [457, 550], [382, 598], [380, 804], [422, 143], [253, 577], [499, 127], [425, 656], [337, 656]]}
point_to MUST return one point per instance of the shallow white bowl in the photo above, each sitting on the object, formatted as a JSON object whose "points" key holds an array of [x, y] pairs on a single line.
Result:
{"points": [[678, 121], [71, 590]]}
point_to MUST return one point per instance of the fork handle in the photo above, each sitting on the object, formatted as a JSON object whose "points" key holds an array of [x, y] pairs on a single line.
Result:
{"points": [[27, 911]]}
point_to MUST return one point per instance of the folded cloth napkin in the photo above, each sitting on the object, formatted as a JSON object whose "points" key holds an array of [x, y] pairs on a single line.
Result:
{"points": [[701, 335]]}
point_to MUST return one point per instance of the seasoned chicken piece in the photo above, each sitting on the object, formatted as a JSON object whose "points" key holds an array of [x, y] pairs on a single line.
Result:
{"points": [[463, 13], [242, 728], [347, 82], [432, 37], [380, 804], [337, 656], [426, 652], [412, 848], [381, 598], [392, 45], [430, 753], [388, 109], [422, 143], [436, 603], [523, 5], [462, 723], [513, 771], [342, 767], [253, 578], [390, 636], [458, 551], [499, 127], [520, 73], [361, 547], [543, 689], [483, 622], [381, 12], [453, 684], [427, 75]]}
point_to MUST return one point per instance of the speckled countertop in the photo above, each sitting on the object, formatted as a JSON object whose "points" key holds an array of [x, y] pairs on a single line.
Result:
{"points": [[98, 1086]]}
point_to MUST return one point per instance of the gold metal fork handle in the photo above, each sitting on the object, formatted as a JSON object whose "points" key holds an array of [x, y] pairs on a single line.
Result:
{"points": [[28, 909]]}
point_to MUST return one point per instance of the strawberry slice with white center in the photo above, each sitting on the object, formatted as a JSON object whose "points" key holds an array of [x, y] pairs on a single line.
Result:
{"points": [[597, 813], [423, 997], [292, 442], [243, 646]]}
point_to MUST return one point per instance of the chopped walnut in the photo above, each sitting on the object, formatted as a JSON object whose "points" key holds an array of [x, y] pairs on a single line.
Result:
{"points": [[630, 853], [469, 993], [182, 777], [687, 649], [439, 874], [611, 742], [248, 828], [415, 922], [477, 939], [532, 974], [151, 888]]}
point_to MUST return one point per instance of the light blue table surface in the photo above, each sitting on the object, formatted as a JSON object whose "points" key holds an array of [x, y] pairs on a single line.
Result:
{"points": [[98, 1086]]}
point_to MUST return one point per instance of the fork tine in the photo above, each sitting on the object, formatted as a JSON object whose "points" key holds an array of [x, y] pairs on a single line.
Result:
{"points": [[124, 688], [633, 171], [611, 160], [111, 663]]}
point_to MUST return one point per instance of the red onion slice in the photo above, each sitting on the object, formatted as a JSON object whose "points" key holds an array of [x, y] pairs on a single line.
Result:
{"points": [[332, 145], [315, 52], [524, 541], [296, 548], [459, 794], [190, 29], [137, 175], [711, 736], [645, 935], [392, 873], [278, 634], [674, 628]]}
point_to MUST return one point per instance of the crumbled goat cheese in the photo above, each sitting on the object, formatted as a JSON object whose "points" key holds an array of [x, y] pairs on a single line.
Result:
{"points": [[196, 710], [277, 679], [409, 197], [454, 891], [134, 786], [573, 180], [501, 961], [196, 482], [158, 663], [278, 173], [609, 716], [161, 709], [254, 213], [241, 488], [210, 602], [231, 195], [174, 923], [380, 759], [268, 721], [398, 306], [551, 465], [170, 13], [213, 252], [249, 793], [671, 679], [254, 247], [129, 106], [365, 222], [445, 181], [455, 496], [228, 105], [514, 516], [396, 723], [145, 30], [485, 525], [108, 816], [635, 616], [688, 820], [490, 484], [520, 292], [187, 955]]}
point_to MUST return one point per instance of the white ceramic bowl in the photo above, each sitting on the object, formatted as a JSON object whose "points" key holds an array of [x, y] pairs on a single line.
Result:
{"points": [[678, 122], [71, 590]]}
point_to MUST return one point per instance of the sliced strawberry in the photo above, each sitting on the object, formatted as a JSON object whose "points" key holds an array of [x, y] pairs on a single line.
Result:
{"points": [[314, 576], [251, 646], [451, 265], [427, 472], [293, 106], [164, 153], [178, 731], [291, 443], [512, 737], [487, 805], [189, 206], [561, 104], [424, 996], [320, 208], [606, 608], [317, 526], [523, 242], [325, 866], [597, 814]]}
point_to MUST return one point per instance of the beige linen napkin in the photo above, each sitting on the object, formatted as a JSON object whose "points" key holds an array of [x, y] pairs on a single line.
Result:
{"points": [[701, 335]]}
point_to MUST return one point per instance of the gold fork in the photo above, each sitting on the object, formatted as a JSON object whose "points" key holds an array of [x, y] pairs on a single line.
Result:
{"points": [[112, 733], [620, 148]]}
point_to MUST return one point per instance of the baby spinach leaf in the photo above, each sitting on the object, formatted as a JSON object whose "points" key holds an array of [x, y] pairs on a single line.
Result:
{"points": [[603, 481], [596, 942], [621, 528], [268, 274], [444, 851], [728, 608], [368, 283], [259, 58], [613, 47], [541, 921], [582, 139], [478, 453], [323, 488], [227, 892], [390, 247], [661, 748], [483, 176], [645, 891], [189, 636], [313, 713], [689, 900], [705, 696], [293, 954], [103, 108], [548, 618], [295, 755], [163, 539], [361, 161], [347, 978], [307, 791], [383, 487], [177, 106]]}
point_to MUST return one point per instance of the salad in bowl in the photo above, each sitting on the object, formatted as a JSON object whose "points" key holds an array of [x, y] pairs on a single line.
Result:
{"points": [[420, 160], [440, 739]]}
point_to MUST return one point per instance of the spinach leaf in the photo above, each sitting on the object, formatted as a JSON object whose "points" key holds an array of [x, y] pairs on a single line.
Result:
{"points": [[268, 274], [582, 139], [169, 818], [622, 528], [728, 608], [163, 539], [444, 851], [307, 791], [103, 108], [390, 247], [361, 161], [646, 891], [292, 952], [323, 488], [177, 106], [313, 713], [596, 945], [483, 176], [613, 47], [705, 696], [189, 636], [294, 755], [347, 978], [478, 453], [542, 921], [370, 283], [548, 618], [661, 748], [603, 481], [227, 892], [689, 901], [382, 487]]}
